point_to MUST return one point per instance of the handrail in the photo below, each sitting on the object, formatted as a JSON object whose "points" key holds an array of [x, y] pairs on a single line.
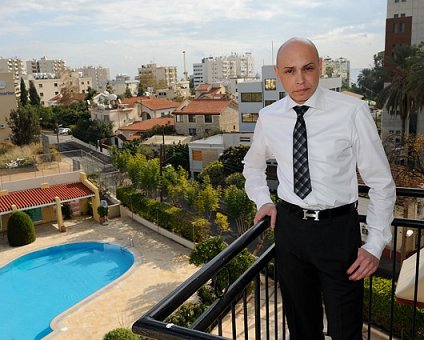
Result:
{"points": [[152, 323]]}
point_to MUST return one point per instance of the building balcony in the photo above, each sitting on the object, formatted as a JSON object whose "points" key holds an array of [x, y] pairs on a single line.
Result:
{"points": [[251, 307]]}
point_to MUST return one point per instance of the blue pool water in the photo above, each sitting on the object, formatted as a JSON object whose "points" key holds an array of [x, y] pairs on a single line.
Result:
{"points": [[35, 288]]}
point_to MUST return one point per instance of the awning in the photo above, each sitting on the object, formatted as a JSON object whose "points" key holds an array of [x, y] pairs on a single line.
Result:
{"points": [[405, 289]]}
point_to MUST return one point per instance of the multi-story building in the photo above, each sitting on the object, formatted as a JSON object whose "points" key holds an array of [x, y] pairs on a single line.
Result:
{"points": [[203, 117], [180, 89], [122, 82], [404, 27], [46, 66], [161, 74], [8, 102], [339, 67], [100, 76], [255, 95], [15, 66], [49, 86], [219, 69]]}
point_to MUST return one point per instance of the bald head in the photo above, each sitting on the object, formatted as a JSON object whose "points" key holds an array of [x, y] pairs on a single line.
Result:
{"points": [[298, 68], [293, 43]]}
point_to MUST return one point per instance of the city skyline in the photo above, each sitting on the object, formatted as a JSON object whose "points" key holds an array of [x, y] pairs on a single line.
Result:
{"points": [[123, 36]]}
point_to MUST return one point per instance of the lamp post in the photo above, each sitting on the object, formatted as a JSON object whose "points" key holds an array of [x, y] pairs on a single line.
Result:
{"points": [[57, 135]]}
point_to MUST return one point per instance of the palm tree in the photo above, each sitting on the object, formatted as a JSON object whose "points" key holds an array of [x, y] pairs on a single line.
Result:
{"points": [[398, 96], [416, 76]]}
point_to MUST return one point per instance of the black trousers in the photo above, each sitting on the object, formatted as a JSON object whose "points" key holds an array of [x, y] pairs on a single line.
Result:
{"points": [[312, 258]]}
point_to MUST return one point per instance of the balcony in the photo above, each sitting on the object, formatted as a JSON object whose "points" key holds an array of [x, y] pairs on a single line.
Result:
{"points": [[251, 307]]}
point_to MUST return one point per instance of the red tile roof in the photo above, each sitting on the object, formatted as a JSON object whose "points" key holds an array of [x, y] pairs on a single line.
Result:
{"points": [[151, 103], [43, 196], [145, 125], [160, 104], [206, 106]]}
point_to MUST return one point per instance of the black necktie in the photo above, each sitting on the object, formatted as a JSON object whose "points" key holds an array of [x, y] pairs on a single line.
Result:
{"points": [[302, 180]]}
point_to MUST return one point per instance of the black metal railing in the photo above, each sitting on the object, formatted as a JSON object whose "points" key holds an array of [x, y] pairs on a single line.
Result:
{"points": [[245, 313]]}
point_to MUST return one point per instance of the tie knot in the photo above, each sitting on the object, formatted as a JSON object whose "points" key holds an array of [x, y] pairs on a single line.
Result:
{"points": [[301, 110]]}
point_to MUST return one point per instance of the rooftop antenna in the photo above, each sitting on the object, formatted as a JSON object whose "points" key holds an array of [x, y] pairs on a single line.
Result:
{"points": [[185, 68], [272, 52]]}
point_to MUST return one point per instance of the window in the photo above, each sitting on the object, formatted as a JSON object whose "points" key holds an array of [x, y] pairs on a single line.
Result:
{"points": [[249, 117], [251, 97], [41, 94], [402, 27], [55, 84], [192, 132], [179, 118], [245, 140], [270, 84], [82, 83], [191, 119], [269, 102], [282, 95], [395, 27], [197, 155], [56, 93], [402, 14], [40, 86], [208, 118], [396, 1], [396, 16]]}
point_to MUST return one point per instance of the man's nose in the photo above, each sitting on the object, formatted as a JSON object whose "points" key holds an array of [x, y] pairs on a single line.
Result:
{"points": [[300, 78]]}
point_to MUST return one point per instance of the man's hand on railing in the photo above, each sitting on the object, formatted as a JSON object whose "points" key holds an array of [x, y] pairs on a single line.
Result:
{"points": [[365, 265], [267, 209]]}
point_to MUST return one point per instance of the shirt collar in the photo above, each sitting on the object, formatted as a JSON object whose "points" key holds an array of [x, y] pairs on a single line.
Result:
{"points": [[315, 101]]}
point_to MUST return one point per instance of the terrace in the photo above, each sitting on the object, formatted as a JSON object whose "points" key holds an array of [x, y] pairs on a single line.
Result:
{"points": [[251, 307]]}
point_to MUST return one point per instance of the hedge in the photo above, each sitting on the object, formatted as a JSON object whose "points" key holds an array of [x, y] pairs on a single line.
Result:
{"points": [[20, 229], [380, 310], [167, 216]]}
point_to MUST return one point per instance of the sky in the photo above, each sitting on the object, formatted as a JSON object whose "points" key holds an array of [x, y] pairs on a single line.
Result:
{"points": [[123, 35]]}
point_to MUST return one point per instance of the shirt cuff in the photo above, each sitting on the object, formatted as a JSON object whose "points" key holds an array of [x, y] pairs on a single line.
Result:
{"points": [[376, 241], [263, 200]]}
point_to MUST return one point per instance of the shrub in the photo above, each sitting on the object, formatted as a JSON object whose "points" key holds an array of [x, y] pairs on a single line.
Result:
{"points": [[380, 310], [103, 211], [20, 229], [121, 334], [186, 314]]}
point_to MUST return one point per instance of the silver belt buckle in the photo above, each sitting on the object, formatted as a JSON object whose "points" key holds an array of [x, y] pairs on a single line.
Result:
{"points": [[307, 214]]}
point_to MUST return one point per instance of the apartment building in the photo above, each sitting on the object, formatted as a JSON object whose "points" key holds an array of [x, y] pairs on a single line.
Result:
{"points": [[45, 66], [15, 66], [161, 74], [404, 27], [99, 75], [255, 95], [202, 117], [122, 82], [218, 69], [8, 102], [49, 86], [339, 67], [180, 89]]}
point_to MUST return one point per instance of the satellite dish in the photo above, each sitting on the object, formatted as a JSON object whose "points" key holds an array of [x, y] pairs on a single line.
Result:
{"points": [[88, 102]]}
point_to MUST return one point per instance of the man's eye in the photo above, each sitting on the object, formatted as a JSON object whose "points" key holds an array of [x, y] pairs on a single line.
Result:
{"points": [[288, 71], [309, 68]]}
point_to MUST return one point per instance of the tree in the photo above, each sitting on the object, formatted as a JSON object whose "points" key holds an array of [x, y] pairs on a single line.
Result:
{"points": [[128, 93], [416, 76], [140, 89], [214, 172], [397, 96], [371, 80], [25, 125], [109, 87], [90, 93], [232, 159], [177, 155], [240, 207], [34, 98], [24, 93]]}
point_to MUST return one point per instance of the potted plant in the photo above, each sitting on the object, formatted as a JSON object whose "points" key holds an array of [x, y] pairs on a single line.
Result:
{"points": [[103, 211]]}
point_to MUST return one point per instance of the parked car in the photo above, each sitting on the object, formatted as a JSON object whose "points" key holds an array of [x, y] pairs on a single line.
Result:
{"points": [[64, 131]]}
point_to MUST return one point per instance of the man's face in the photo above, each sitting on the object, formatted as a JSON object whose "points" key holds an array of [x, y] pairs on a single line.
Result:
{"points": [[298, 70]]}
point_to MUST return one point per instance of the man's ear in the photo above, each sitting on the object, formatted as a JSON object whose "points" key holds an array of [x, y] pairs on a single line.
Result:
{"points": [[320, 65]]}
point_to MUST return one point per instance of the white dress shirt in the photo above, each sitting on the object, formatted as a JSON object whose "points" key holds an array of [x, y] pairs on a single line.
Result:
{"points": [[342, 136]]}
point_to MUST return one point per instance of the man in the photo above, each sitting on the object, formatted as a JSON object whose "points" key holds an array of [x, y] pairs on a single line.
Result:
{"points": [[319, 139]]}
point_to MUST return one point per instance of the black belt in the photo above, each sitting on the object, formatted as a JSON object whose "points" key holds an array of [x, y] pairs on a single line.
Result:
{"points": [[317, 215]]}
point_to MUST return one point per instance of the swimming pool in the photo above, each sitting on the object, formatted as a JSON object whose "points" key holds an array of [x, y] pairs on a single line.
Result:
{"points": [[36, 287]]}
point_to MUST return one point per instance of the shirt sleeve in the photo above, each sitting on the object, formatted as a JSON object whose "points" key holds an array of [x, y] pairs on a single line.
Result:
{"points": [[255, 168], [375, 171]]}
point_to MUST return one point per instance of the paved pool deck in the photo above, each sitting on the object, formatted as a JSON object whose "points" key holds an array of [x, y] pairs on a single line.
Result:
{"points": [[161, 265]]}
